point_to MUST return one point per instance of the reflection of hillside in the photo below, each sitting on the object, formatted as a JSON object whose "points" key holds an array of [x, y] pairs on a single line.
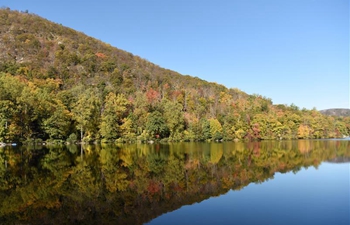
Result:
{"points": [[339, 160], [132, 184]]}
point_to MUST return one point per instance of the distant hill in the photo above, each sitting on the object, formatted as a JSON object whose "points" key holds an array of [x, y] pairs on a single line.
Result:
{"points": [[340, 160], [336, 112], [60, 84]]}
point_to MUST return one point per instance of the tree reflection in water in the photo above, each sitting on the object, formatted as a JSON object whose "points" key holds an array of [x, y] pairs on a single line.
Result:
{"points": [[132, 184]]}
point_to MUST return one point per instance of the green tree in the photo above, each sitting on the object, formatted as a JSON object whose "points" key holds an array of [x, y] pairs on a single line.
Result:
{"points": [[156, 125], [115, 110], [205, 131], [86, 112], [128, 130], [58, 123], [140, 112], [215, 129], [173, 116], [6, 114]]}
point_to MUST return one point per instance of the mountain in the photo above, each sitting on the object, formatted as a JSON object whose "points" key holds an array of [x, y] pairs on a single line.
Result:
{"points": [[60, 84], [47, 50], [336, 112]]}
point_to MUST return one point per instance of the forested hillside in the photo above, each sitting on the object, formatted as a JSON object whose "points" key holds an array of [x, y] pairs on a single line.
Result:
{"points": [[59, 84]]}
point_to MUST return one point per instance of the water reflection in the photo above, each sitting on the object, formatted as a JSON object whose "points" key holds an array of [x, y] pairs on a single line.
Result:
{"points": [[132, 184]]}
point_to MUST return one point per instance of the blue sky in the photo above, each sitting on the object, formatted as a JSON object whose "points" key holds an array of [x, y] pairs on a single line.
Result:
{"points": [[292, 51]]}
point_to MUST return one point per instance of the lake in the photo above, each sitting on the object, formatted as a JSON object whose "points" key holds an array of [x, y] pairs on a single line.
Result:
{"points": [[269, 182]]}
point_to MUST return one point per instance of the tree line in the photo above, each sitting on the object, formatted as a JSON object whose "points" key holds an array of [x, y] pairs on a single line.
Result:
{"points": [[40, 109]]}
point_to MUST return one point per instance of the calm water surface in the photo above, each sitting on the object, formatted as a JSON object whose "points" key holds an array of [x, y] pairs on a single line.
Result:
{"points": [[312, 196], [284, 182]]}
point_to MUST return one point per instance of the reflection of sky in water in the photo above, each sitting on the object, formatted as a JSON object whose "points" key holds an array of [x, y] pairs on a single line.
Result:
{"points": [[311, 196]]}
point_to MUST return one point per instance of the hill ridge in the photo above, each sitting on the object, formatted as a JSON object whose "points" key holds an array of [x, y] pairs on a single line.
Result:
{"points": [[336, 112]]}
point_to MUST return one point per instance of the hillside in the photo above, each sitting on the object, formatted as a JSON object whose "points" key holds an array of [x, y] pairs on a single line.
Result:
{"points": [[336, 112], [59, 84]]}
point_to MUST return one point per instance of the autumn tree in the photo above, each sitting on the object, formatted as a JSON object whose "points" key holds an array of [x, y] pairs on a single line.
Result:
{"points": [[86, 113], [113, 116]]}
